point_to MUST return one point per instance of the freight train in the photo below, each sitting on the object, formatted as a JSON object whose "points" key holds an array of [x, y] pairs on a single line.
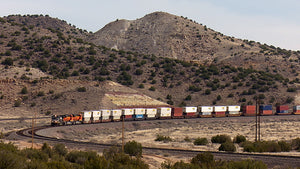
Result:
{"points": [[107, 115]]}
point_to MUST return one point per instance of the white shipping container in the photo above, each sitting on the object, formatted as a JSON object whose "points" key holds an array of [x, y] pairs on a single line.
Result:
{"points": [[87, 115], [208, 109], [234, 108], [96, 114], [151, 115], [139, 111], [127, 111], [233, 112], [190, 109], [219, 108], [105, 112], [206, 113], [105, 117], [296, 107], [151, 111], [164, 111], [116, 112]]}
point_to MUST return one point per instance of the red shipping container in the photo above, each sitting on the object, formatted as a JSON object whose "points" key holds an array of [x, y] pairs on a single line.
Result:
{"points": [[296, 111], [266, 112], [128, 116], [189, 115], [282, 107], [249, 113], [220, 114], [177, 112], [249, 107]]}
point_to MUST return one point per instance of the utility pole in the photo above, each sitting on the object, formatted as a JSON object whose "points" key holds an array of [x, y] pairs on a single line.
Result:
{"points": [[258, 122], [122, 134], [256, 113]]}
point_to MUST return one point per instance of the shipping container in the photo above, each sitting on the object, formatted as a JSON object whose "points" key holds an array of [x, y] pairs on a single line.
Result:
{"points": [[265, 107], [139, 111], [96, 116], [189, 112], [219, 114], [283, 110], [87, 116], [233, 113], [105, 119], [205, 111], [219, 108], [127, 112], [116, 114], [208, 109], [164, 112], [138, 117], [266, 112], [150, 113], [249, 110], [282, 107], [296, 110], [177, 112], [234, 108]]}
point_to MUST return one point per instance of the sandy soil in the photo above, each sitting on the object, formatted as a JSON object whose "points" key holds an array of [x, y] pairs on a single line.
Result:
{"points": [[272, 128]]}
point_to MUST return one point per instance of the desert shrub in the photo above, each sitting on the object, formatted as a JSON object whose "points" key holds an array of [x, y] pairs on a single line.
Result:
{"points": [[187, 139], [227, 146], [221, 138], [81, 157], [249, 163], [41, 93], [152, 88], [34, 154], [24, 90], [264, 146], [162, 138], [8, 61], [205, 160], [81, 89], [133, 148], [296, 144], [200, 141], [17, 103], [284, 146], [60, 149], [239, 138]]}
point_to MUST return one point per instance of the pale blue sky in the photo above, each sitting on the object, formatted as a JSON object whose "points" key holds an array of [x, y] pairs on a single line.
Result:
{"points": [[275, 22]]}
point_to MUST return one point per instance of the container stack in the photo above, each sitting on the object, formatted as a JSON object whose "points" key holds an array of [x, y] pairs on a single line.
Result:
{"points": [[116, 114], [249, 110], [164, 112], [87, 116], [265, 110], [127, 114], [151, 113], [219, 111], [96, 116], [296, 110], [177, 112], [205, 111], [190, 112], [139, 113], [233, 110], [282, 110], [105, 115]]}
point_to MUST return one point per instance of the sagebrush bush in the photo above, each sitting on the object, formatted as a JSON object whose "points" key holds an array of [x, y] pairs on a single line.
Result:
{"points": [[133, 148], [221, 138], [239, 138], [200, 141], [227, 146], [163, 138]]}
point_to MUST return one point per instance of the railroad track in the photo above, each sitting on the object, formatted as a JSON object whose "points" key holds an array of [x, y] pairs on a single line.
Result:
{"points": [[271, 160]]}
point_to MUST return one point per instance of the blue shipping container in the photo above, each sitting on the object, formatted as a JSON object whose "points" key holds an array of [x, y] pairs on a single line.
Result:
{"points": [[283, 111], [265, 107], [139, 116]]}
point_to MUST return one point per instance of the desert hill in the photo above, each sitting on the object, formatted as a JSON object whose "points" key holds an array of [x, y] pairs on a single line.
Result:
{"points": [[37, 50], [167, 35]]}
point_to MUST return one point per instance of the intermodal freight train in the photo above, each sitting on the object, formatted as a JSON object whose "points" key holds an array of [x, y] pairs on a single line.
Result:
{"points": [[108, 115]]}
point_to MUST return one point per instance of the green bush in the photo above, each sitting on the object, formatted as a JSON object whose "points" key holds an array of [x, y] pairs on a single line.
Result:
{"points": [[60, 149], [296, 144], [24, 90], [201, 141], [221, 138], [205, 160], [265, 146], [17, 103], [239, 138], [81, 89], [227, 146], [284, 146], [133, 148], [163, 138]]}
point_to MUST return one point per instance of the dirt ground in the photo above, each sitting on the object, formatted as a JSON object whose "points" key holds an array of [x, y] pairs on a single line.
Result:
{"points": [[182, 131]]}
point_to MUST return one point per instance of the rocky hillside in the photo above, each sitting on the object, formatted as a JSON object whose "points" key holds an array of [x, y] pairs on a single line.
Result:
{"points": [[171, 36], [44, 51]]}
